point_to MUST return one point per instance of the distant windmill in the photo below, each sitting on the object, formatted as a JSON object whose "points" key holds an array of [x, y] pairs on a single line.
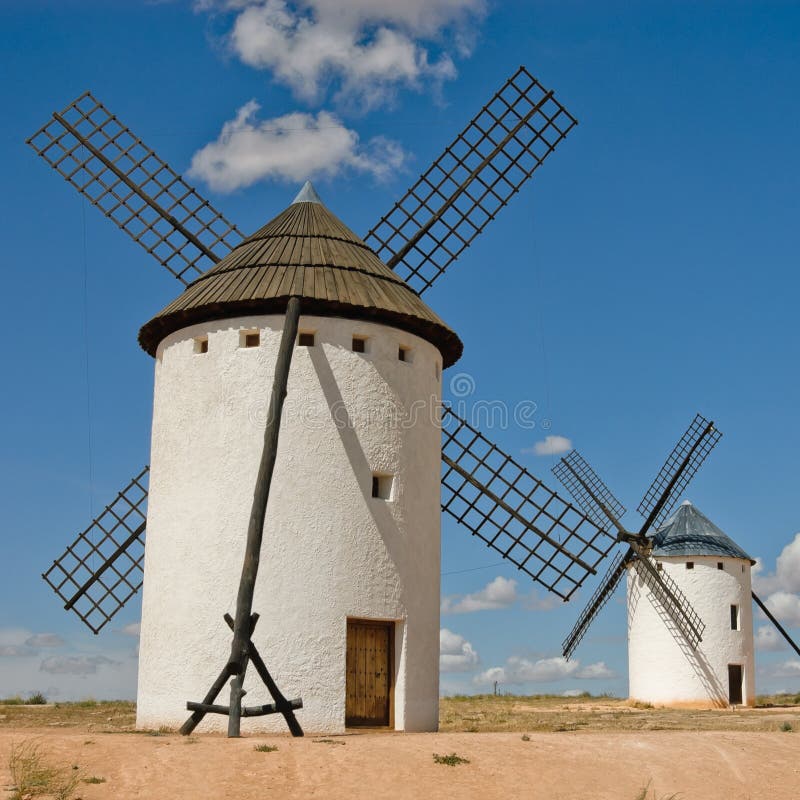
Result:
{"points": [[351, 541], [677, 572]]}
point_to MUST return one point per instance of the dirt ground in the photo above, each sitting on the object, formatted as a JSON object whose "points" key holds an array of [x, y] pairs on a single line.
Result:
{"points": [[573, 749]]}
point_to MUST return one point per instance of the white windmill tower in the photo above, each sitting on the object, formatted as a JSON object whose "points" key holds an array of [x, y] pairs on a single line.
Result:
{"points": [[690, 621], [344, 513]]}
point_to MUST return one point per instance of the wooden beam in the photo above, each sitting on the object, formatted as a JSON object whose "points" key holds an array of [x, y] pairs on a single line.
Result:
{"points": [[246, 711]]}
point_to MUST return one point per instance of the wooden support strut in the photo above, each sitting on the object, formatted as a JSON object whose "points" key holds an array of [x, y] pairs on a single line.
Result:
{"points": [[775, 622]]}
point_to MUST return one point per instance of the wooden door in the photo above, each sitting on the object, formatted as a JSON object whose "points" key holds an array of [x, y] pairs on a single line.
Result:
{"points": [[735, 684], [369, 673]]}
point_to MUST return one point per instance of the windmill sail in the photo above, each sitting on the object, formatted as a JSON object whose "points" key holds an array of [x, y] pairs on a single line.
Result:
{"points": [[514, 513], [588, 490], [107, 163], [680, 467], [468, 184], [671, 600], [596, 602], [102, 569]]}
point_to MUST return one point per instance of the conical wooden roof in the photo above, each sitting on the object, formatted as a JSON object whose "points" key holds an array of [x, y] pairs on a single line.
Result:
{"points": [[307, 252]]}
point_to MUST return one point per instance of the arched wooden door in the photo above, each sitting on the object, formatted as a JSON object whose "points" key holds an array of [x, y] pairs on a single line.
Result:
{"points": [[369, 673]]}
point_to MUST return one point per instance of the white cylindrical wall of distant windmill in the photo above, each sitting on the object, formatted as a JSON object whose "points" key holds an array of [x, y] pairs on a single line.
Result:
{"points": [[663, 667], [332, 552]]}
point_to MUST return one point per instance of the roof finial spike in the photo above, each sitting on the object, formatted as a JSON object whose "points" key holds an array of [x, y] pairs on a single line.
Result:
{"points": [[308, 194]]}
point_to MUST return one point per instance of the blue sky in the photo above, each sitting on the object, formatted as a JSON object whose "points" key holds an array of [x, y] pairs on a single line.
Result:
{"points": [[647, 272]]}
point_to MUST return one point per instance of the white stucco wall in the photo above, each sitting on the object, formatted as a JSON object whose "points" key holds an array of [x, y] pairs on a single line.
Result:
{"points": [[662, 668], [331, 551]]}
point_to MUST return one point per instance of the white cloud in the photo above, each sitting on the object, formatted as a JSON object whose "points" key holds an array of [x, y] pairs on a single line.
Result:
{"points": [[550, 446], [522, 670], [785, 606], [787, 571], [498, 593], [45, 640], [456, 654], [75, 665], [541, 602], [132, 629], [293, 147], [596, 671], [767, 638], [786, 669], [17, 650], [365, 50]]}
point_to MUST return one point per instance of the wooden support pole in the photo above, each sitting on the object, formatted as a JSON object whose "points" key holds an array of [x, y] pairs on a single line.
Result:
{"points": [[775, 622], [284, 706], [210, 697], [255, 530], [246, 711]]}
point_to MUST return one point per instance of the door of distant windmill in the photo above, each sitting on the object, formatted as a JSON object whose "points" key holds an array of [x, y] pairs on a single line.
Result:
{"points": [[735, 680], [369, 673]]}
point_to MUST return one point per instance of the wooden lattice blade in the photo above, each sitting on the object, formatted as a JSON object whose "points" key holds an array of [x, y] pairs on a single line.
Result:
{"points": [[514, 513], [678, 470], [102, 569], [596, 602], [468, 184], [588, 490], [107, 163]]}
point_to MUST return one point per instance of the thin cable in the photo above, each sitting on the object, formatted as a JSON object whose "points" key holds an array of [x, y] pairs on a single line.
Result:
{"points": [[473, 569], [87, 372]]}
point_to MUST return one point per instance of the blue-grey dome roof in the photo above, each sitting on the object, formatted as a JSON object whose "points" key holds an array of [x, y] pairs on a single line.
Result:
{"points": [[689, 532]]}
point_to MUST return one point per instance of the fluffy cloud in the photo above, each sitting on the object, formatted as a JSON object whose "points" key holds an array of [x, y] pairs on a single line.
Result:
{"points": [[785, 606], [550, 446], [596, 671], [787, 571], [365, 50], [767, 638], [75, 665], [132, 629], [456, 654], [545, 670], [16, 650], [498, 593], [293, 147], [45, 640], [787, 669]]}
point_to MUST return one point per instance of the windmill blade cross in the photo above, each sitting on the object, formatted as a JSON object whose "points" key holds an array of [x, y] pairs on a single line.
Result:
{"points": [[596, 602], [514, 513], [92, 150], [678, 470], [102, 569], [468, 184]]}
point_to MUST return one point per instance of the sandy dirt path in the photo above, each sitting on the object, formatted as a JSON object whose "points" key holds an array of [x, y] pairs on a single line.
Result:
{"points": [[555, 766]]}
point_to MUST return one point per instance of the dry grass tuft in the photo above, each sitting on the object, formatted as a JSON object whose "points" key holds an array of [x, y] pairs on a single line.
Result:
{"points": [[452, 760], [33, 776], [265, 748]]}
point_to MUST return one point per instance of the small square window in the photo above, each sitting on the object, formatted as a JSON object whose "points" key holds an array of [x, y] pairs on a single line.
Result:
{"points": [[305, 339], [720, 565], [359, 344], [382, 486], [201, 344], [734, 618], [404, 354], [249, 339], [690, 565], [659, 566]]}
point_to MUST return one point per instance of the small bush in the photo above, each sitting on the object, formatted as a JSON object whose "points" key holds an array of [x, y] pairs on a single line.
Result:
{"points": [[451, 760], [525, 737], [12, 701], [37, 699], [94, 779], [265, 748], [33, 777], [787, 727]]}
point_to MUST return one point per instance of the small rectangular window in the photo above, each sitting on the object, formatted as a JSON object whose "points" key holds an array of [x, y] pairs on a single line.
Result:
{"points": [[659, 566], [690, 565], [382, 486], [305, 339], [249, 338], [720, 565], [359, 344], [404, 353], [201, 344], [734, 618]]}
